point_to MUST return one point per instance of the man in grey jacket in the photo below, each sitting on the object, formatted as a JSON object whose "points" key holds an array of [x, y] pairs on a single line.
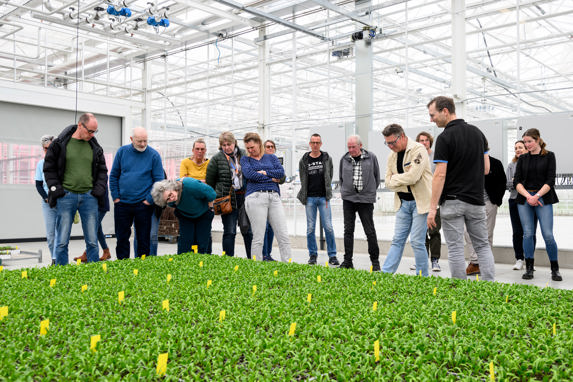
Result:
{"points": [[315, 171], [359, 179]]}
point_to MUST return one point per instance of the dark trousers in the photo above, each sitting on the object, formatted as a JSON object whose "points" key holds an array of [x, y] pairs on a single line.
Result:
{"points": [[230, 230], [195, 231], [434, 239], [366, 213], [268, 242], [126, 215], [518, 230]]}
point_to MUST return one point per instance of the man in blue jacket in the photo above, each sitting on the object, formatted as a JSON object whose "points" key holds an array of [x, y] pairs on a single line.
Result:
{"points": [[135, 168]]}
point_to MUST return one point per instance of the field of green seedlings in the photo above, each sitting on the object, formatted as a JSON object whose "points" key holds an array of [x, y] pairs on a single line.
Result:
{"points": [[206, 317]]}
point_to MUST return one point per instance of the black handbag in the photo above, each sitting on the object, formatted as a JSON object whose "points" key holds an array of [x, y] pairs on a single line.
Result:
{"points": [[243, 220]]}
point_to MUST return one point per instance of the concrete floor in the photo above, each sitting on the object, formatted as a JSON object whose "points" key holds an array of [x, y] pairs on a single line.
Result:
{"points": [[504, 273]]}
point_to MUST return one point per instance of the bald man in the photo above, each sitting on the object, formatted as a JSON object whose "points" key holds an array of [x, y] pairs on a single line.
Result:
{"points": [[135, 168]]}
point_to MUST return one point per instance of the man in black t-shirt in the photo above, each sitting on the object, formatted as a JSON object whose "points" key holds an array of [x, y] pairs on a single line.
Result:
{"points": [[462, 160], [315, 171]]}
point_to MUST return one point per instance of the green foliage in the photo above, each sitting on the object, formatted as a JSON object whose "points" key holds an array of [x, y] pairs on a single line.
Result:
{"points": [[334, 334]]}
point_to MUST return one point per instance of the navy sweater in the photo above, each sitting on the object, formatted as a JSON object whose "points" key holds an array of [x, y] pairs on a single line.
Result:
{"points": [[258, 182]]}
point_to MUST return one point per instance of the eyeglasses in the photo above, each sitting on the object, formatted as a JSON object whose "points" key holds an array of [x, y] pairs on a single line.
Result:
{"points": [[393, 142], [90, 131], [315, 143], [269, 147]]}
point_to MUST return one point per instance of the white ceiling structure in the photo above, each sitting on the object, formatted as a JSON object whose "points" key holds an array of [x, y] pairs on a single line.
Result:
{"points": [[289, 65]]}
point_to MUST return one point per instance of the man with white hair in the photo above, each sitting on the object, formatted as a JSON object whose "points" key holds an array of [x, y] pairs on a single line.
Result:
{"points": [[135, 168]]}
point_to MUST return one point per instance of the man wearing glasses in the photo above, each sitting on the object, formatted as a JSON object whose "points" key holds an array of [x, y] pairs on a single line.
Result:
{"points": [[408, 174], [315, 171], [76, 175]]}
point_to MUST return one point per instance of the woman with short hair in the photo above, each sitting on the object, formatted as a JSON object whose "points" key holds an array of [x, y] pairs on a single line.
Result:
{"points": [[263, 202], [190, 198]]}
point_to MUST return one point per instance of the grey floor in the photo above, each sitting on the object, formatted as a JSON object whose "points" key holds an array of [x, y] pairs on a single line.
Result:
{"points": [[504, 273]]}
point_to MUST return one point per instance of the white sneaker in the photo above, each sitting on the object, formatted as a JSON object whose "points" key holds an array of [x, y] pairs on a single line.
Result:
{"points": [[413, 267], [518, 265]]}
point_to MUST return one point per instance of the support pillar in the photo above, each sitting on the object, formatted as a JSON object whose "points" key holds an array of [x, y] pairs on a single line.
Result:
{"points": [[459, 56]]}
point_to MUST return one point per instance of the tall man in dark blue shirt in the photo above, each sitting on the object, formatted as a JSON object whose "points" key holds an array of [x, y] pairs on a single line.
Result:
{"points": [[135, 168]]}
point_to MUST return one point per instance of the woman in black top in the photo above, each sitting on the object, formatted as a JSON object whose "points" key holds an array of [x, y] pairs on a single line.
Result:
{"points": [[535, 183]]}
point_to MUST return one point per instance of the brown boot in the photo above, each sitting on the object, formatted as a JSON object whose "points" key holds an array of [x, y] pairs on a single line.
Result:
{"points": [[106, 255], [83, 257]]}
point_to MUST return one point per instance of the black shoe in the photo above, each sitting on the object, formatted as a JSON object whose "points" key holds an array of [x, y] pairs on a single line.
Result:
{"points": [[555, 275], [53, 261], [333, 261], [312, 259], [347, 264], [268, 258], [528, 275], [376, 267]]}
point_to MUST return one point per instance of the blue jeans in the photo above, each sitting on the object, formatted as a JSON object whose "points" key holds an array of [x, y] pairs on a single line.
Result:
{"points": [[66, 207], [527, 216], [230, 230], [100, 234], [126, 215], [268, 241], [153, 236], [408, 222], [194, 232], [50, 215], [320, 204]]}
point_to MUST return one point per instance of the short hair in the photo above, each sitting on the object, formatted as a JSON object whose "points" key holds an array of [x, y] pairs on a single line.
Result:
{"points": [[160, 187], [443, 103], [356, 138], [271, 142], [46, 139], [536, 135], [254, 137], [85, 118], [393, 129], [316, 135], [228, 137], [427, 135], [199, 140]]}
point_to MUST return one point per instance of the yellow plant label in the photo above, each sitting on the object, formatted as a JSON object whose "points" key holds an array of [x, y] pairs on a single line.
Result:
{"points": [[318, 278], [84, 288], [135, 272], [309, 298], [373, 284], [276, 273], [194, 249], [3, 312], [254, 258], [292, 329], [168, 277], [121, 296], [435, 290], [1, 268], [377, 350], [420, 273], [290, 260], [52, 283], [78, 261], [554, 329], [162, 364], [221, 316], [454, 317], [254, 289], [506, 298], [477, 277], [165, 305], [93, 342], [170, 259], [371, 269], [104, 267], [224, 253], [491, 372], [326, 264], [236, 268], [209, 283], [375, 306], [200, 264], [24, 274], [44, 327], [142, 257]]}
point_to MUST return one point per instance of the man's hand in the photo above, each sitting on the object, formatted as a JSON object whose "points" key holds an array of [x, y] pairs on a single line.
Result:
{"points": [[116, 200], [146, 203], [431, 221]]}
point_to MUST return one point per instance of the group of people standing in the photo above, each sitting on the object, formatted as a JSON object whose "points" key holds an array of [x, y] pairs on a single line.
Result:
{"points": [[456, 186]]}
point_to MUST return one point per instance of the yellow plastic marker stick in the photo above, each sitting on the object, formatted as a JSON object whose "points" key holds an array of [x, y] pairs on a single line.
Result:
{"points": [[477, 277], [420, 273], [224, 253], [168, 277], [162, 364], [142, 257], [373, 284], [1, 268], [375, 306], [44, 327], [135, 272], [84, 288], [318, 278], [221, 316], [78, 261], [254, 289], [200, 264], [24, 274], [165, 305], [3, 312], [491, 372], [170, 259], [120, 296], [506, 298], [104, 267], [209, 283], [194, 249], [276, 273], [292, 329], [377, 350], [93, 342], [290, 260], [52, 283], [435, 290], [454, 317], [371, 269], [554, 329], [309, 298], [254, 258], [326, 264], [236, 268]]}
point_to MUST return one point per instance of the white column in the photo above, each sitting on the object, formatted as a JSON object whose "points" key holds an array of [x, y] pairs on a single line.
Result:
{"points": [[459, 56], [264, 87]]}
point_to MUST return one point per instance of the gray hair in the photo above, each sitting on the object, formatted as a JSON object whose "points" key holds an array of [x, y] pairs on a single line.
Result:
{"points": [[356, 139], [46, 139], [393, 129], [160, 187]]}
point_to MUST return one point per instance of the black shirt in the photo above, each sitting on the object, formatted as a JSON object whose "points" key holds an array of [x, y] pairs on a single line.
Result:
{"points": [[315, 170], [400, 165], [533, 171], [462, 146]]}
